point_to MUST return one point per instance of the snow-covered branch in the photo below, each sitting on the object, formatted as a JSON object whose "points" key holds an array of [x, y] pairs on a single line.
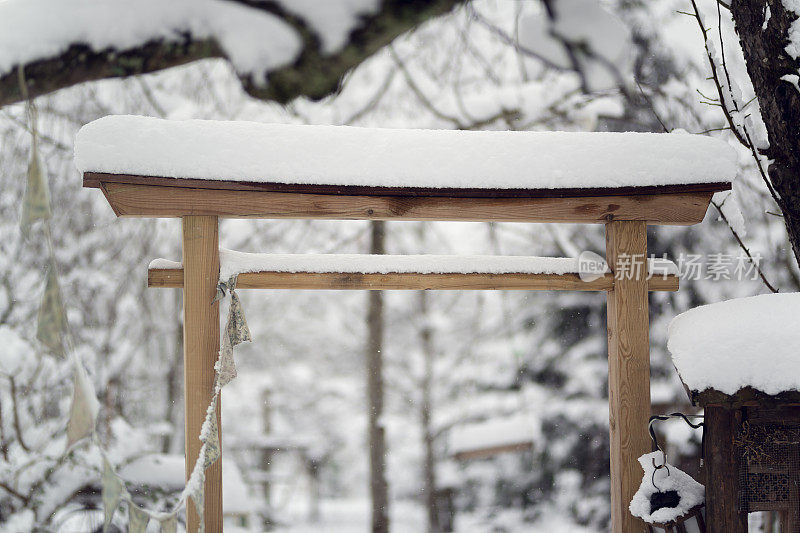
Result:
{"points": [[279, 49]]}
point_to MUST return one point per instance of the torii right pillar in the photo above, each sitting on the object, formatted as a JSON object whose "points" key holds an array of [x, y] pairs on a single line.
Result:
{"points": [[628, 365]]}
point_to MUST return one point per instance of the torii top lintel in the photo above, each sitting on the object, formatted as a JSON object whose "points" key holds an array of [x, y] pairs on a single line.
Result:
{"points": [[158, 168]]}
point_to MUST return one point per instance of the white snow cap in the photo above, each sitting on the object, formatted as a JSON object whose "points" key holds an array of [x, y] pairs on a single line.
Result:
{"points": [[233, 263], [690, 492], [745, 342], [343, 155]]}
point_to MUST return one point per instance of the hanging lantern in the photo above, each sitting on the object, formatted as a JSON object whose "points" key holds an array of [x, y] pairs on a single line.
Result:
{"points": [[668, 500]]}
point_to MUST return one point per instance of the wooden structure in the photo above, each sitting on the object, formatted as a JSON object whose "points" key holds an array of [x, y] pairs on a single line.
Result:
{"points": [[483, 453], [625, 212], [752, 457], [491, 438]]}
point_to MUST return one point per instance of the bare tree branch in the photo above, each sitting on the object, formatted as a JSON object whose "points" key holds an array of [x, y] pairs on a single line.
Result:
{"points": [[741, 135], [507, 114], [15, 413], [744, 248]]}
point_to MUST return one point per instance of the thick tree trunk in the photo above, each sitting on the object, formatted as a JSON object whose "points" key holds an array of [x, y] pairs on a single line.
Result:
{"points": [[377, 439], [425, 409], [779, 100]]}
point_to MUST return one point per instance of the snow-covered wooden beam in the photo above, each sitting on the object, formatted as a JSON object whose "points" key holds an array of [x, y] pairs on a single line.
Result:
{"points": [[173, 278], [406, 272], [148, 167], [279, 50]]}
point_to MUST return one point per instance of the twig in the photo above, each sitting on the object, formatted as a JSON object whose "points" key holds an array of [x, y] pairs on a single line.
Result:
{"points": [[14, 493], [509, 40], [457, 123], [715, 75], [15, 413], [742, 136], [375, 100], [421, 96], [710, 130], [651, 106], [150, 97], [743, 246], [3, 442]]}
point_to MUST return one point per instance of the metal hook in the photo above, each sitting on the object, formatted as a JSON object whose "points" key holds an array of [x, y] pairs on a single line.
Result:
{"points": [[657, 468], [658, 446]]}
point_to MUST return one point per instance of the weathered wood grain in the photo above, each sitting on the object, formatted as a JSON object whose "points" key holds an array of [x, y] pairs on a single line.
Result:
{"points": [[173, 278], [135, 200], [722, 471], [201, 350], [628, 368]]}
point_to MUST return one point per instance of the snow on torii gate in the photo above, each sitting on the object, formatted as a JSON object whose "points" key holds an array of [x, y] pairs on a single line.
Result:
{"points": [[201, 171]]}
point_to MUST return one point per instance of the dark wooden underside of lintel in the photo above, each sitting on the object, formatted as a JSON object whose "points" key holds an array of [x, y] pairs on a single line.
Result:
{"points": [[94, 179]]}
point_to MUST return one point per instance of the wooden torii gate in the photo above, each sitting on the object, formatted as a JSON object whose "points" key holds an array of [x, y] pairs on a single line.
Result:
{"points": [[625, 212]]}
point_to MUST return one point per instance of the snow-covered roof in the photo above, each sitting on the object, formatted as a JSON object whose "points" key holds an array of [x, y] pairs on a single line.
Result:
{"points": [[493, 434], [161, 470], [746, 342], [377, 157]]}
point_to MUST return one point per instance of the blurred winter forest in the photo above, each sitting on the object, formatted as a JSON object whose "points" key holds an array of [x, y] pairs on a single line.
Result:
{"points": [[450, 360]]}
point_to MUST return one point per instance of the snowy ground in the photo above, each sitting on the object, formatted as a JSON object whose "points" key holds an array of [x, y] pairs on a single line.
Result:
{"points": [[352, 516]]}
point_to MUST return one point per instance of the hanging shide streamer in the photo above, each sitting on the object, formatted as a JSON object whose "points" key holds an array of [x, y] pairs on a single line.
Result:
{"points": [[198, 497], [169, 525], [209, 434], [137, 519], [52, 332], [85, 407], [225, 366], [236, 328], [235, 333], [36, 202], [113, 490], [52, 321]]}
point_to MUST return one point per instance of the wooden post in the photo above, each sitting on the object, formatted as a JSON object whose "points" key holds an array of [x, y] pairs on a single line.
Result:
{"points": [[201, 350], [628, 366], [722, 470]]}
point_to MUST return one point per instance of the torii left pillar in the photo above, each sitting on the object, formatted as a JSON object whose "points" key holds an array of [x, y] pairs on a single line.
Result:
{"points": [[200, 353], [628, 366]]}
